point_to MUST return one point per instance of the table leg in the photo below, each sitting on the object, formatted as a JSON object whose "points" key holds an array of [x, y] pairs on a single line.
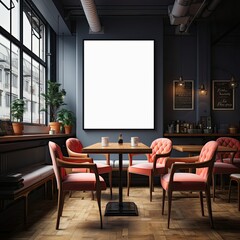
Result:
{"points": [[121, 208], [120, 180]]}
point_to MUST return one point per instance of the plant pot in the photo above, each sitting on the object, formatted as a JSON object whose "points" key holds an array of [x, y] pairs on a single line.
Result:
{"points": [[55, 126], [18, 128], [67, 129]]}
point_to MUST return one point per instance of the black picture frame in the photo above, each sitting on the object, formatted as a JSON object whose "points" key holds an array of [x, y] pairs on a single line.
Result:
{"points": [[183, 96], [120, 94], [222, 95]]}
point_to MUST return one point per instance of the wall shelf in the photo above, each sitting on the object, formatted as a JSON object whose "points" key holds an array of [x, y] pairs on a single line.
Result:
{"points": [[29, 137], [201, 135]]}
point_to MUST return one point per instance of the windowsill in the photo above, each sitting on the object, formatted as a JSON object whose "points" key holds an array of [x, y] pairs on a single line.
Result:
{"points": [[27, 137], [32, 132]]}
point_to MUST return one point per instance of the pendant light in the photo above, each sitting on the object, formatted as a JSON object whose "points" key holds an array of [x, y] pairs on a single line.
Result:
{"points": [[181, 82], [202, 90], [233, 82]]}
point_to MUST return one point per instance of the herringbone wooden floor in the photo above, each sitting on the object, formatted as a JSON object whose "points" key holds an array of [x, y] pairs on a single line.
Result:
{"points": [[81, 220]]}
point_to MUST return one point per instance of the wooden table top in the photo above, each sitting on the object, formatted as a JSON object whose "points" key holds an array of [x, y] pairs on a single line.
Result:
{"points": [[117, 148], [198, 148]]}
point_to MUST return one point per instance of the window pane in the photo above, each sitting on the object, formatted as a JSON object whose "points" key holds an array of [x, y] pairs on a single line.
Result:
{"points": [[15, 20], [42, 90], [27, 75], [27, 35], [15, 71], [5, 15], [35, 43], [42, 43], [35, 92], [5, 77], [33, 86]]}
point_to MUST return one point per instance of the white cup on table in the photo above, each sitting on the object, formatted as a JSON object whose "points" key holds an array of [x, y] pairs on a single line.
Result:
{"points": [[134, 141], [105, 141]]}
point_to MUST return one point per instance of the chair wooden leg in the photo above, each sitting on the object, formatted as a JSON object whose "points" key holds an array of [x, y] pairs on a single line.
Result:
{"points": [[209, 206], [110, 183], [169, 206], [128, 182], [214, 185], [163, 200], [201, 202], [98, 195], [60, 207], [150, 187], [62, 202], [152, 183]]}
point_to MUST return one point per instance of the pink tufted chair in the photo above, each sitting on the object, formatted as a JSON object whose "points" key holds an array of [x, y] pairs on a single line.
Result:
{"points": [[66, 182], [227, 162], [161, 149], [74, 149], [186, 181]]}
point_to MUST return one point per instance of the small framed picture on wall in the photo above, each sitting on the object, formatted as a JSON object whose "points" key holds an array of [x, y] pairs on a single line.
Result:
{"points": [[183, 96], [222, 95]]}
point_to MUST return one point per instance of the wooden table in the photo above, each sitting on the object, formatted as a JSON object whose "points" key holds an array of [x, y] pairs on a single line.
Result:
{"points": [[193, 149], [119, 208]]}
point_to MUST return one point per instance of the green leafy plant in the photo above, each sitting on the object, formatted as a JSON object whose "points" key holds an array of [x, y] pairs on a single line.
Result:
{"points": [[66, 117], [17, 109], [54, 98]]}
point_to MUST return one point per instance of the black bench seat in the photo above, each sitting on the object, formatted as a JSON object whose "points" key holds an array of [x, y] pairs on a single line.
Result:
{"points": [[32, 178]]}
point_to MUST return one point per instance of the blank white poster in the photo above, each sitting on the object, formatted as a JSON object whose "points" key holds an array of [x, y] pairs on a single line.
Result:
{"points": [[118, 89]]}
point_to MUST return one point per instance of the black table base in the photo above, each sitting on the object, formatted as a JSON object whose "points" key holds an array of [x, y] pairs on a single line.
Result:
{"points": [[121, 209]]}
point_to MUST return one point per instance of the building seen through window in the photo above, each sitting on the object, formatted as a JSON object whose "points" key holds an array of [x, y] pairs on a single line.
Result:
{"points": [[22, 60]]}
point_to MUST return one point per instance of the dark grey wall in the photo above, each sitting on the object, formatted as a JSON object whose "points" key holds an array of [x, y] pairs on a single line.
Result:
{"points": [[195, 52], [225, 63], [188, 55], [66, 69]]}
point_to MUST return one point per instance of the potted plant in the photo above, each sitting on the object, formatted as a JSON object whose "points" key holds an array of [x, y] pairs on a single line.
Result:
{"points": [[54, 98], [67, 118], [17, 110]]}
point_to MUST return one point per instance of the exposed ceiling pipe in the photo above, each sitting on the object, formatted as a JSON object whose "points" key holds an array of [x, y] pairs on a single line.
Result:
{"points": [[180, 8], [196, 15], [178, 12], [210, 8], [90, 11]]}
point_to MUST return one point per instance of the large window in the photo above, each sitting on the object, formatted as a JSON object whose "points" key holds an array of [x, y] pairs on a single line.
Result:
{"points": [[22, 59]]}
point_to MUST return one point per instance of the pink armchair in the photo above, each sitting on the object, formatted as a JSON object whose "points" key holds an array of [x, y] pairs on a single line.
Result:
{"points": [[161, 149], [186, 181], [74, 149], [74, 181], [226, 163]]}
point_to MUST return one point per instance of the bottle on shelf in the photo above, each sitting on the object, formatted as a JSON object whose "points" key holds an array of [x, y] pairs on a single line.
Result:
{"points": [[120, 139], [178, 126]]}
